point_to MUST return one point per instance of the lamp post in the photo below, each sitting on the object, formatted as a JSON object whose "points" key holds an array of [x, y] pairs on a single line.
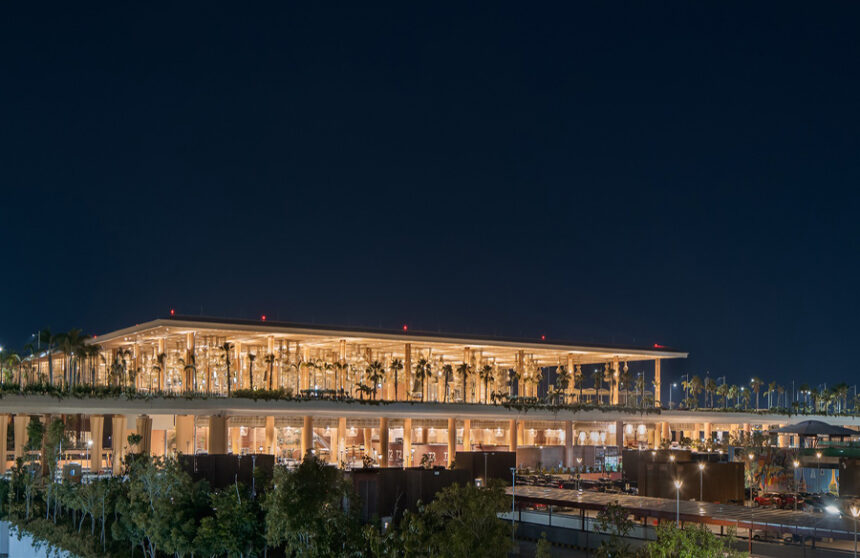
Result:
{"points": [[671, 388], [818, 471], [678, 484], [855, 511], [579, 474], [701, 477], [89, 445], [796, 465], [751, 457], [513, 501]]}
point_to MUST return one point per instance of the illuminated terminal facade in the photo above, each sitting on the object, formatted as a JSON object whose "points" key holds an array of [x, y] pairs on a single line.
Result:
{"points": [[396, 398]]}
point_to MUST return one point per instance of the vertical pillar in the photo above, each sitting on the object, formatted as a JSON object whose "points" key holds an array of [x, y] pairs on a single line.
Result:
{"points": [[271, 440], [747, 432], [274, 380], [334, 445], [521, 433], [407, 369], [4, 426], [307, 435], [452, 440], [341, 439], [97, 430], [512, 435], [236, 440], [615, 380], [368, 441], [520, 366], [188, 373], [407, 442], [383, 442], [185, 434], [467, 435], [619, 434], [782, 439], [665, 432], [117, 442], [217, 434], [708, 431], [568, 443], [143, 427], [161, 371], [656, 382]]}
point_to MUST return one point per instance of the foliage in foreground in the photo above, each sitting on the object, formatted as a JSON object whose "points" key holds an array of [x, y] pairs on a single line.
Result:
{"points": [[155, 510], [692, 541]]}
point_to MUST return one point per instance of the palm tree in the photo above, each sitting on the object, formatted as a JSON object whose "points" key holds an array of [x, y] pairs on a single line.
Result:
{"points": [[226, 347], [464, 370], [485, 374], [710, 389], [695, 390], [723, 391], [375, 374], [49, 341], [422, 371], [513, 378], [731, 393], [251, 358], [745, 396], [597, 377], [447, 374], [639, 384], [771, 388], [268, 375], [780, 391], [396, 366], [625, 379], [755, 385], [562, 381], [577, 377]]}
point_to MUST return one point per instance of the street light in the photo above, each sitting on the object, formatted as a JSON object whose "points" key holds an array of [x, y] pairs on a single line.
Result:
{"points": [[751, 456], [818, 470], [513, 500], [678, 484], [701, 476], [579, 474], [673, 386], [855, 511], [796, 465]]}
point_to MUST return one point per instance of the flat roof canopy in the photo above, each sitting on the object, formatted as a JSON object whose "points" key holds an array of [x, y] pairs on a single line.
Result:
{"points": [[503, 351]]}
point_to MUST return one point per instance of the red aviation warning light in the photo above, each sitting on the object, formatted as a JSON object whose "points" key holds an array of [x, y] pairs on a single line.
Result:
{"points": [[172, 312], [405, 328], [263, 317], [543, 337]]}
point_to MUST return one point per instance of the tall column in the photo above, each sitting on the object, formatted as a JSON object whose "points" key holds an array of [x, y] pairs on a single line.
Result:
{"points": [[368, 441], [185, 434], [341, 439], [747, 432], [217, 434], [407, 442], [144, 428], [188, 373], [521, 433], [97, 430], [615, 379], [520, 368], [452, 440], [467, 435], [782, 439], [334, 445], [665, 432], [270, 364], [656, 382], [117, 441], [307, 435], [4, 426], [236, 440], [568, 443], [708, 431], [619, 434], [383, 442], [270, 436], [512, 435], [161, 372], [407, 369]]}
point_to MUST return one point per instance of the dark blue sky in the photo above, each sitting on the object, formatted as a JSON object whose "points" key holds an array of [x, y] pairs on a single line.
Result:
{"points": [[602, 172]]}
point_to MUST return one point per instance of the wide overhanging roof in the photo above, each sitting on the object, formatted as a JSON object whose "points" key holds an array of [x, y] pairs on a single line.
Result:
{"points": [[816, 428], [257, 332]]}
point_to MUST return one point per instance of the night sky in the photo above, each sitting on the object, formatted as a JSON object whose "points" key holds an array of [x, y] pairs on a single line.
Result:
{"points": [[614, 173]]}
